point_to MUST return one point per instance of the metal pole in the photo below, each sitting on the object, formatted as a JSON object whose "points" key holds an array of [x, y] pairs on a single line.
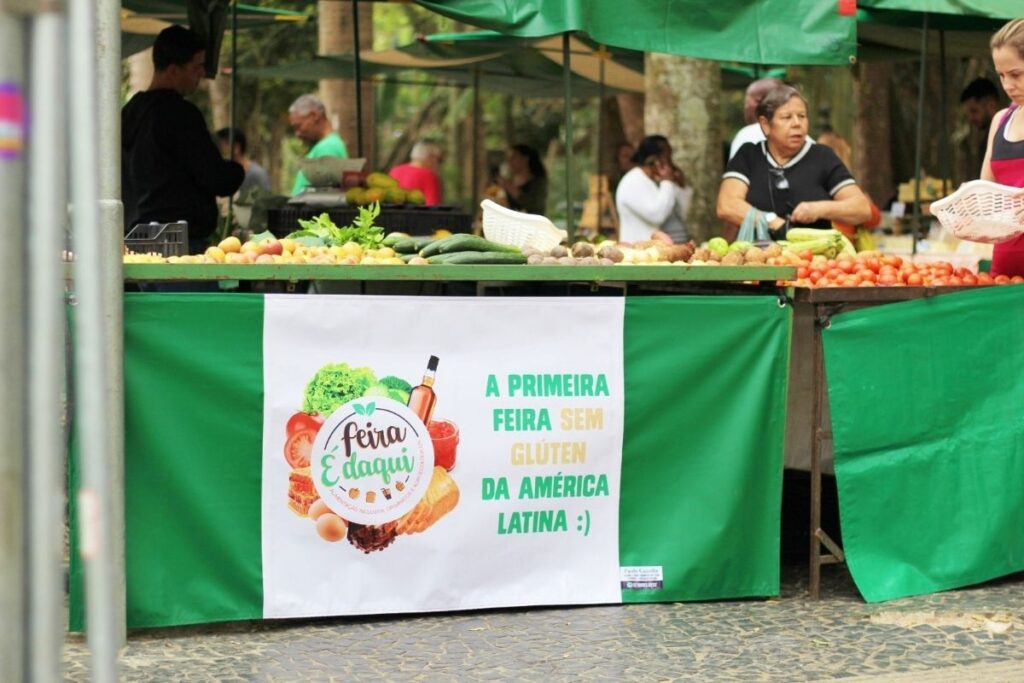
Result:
{"points": [[231, 107], [91, 360], [600, 141], [920, 128], [474, 197], [47, 218], [357, 62], [567, 72], [12, 348], [111, 240], [944, 150]]}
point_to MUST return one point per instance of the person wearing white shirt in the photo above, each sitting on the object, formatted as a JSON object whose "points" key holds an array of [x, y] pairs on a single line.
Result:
{"points": [[652, 199], [752, 131]]}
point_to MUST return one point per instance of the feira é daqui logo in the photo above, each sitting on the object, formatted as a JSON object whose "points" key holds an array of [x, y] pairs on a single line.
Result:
{"points": [[372, 460]]}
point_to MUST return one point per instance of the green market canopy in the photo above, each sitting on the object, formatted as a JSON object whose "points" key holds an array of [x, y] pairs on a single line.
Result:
{"points": [[727, 30]]}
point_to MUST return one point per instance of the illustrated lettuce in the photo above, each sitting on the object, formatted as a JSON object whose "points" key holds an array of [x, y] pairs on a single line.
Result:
{"points": [[334, 385]]}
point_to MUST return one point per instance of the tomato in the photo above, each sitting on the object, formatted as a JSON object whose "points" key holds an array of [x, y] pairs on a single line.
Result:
{"points": [[955, 281], [803, 272], [891, 260], [814, 276], [914, 280], [301, 421], [873, 264], [846, 265], [866, 283], [1016, 280], [867, 275], [834, 273], [969, 279], [806, 255], [298, 447], [1002, 280], [984, 279], [887, 279]]}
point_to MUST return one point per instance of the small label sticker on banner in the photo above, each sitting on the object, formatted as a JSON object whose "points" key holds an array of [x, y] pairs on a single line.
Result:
{"points": [[641, 578], [847, 8]]}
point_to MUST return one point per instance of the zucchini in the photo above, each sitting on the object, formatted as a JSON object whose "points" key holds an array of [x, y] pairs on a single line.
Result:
{"points": [[404, 246], [434, 247], [475, 243], [393, 238], [422, 242], [483, 258]]}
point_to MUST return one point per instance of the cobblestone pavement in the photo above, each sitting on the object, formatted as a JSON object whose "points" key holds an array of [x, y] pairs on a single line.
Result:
{"points": [[973, 634]]}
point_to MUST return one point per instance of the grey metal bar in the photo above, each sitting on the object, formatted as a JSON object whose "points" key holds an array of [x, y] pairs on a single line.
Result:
{"points": [[920, 128], [91, 361], [567, 73], [231, 109], [945, 151], [474, 198], [46, 445], [12, 373], [108, 91], [357, 64]]}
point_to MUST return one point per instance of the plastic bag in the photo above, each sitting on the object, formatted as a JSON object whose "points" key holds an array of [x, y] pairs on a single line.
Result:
{"points": [[754, 227]]}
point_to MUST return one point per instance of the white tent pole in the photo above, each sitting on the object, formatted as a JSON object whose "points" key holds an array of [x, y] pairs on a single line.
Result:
{"points": [[95, 498], [108, 94], [46, 348], [12, 373]]}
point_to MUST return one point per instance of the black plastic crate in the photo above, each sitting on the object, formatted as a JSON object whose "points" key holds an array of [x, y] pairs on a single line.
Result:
{"points": [[166, 239], [422, 220]]}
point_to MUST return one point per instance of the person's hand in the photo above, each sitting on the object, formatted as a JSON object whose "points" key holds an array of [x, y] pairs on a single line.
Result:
{"points": [[807, 212], [678, 177]]}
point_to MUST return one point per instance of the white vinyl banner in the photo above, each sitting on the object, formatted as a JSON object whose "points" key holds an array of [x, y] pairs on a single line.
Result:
{"points": [[427, 454]]}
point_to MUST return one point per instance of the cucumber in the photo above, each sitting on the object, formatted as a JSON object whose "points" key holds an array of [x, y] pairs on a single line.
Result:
{"points": [[474, 243], [483, 258], [404, 246], [408, 257], [434, 247], [393, 238], [422, 242]]}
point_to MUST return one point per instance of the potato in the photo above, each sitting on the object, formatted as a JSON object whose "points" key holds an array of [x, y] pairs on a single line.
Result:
{"points": [[566, 261], [582, 249], [610, 253], [534, 259], [559, 251]]}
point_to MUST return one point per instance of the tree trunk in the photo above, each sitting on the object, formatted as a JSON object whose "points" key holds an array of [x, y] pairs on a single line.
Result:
{"points": [[339, 96], [220, 101], [691, 125], [872, 132], [140, 71], [631, 111]]}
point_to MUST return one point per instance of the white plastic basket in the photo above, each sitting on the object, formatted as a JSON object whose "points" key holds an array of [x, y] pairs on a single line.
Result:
{"points": [[981, 211], [517, 229]]}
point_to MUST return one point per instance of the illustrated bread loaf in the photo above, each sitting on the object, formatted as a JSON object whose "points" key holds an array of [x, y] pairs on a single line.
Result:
{"points": [[441, 498], [301, 491]]}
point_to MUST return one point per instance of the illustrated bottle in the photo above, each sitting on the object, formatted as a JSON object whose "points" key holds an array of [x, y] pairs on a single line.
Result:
{"points": [[422, 398]]}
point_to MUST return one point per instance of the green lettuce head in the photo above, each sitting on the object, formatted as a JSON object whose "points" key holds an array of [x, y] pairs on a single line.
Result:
{"points": [[334, 385]]}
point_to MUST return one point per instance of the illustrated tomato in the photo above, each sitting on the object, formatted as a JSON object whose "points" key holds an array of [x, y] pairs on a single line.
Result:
{"points": [[914, 280], [298, 447], [300, 421]]}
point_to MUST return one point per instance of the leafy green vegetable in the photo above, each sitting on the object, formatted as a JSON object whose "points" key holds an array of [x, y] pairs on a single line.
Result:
{"points": [[362, 231], [265, 235], [392, 382], [335, 384]]}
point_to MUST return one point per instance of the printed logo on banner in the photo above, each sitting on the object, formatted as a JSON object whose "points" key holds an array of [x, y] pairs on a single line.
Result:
{"points": [[369, 461], [372, 461]]}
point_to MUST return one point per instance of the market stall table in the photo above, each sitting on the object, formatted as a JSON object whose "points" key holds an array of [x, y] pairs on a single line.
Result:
{"points": [[186, 354]]}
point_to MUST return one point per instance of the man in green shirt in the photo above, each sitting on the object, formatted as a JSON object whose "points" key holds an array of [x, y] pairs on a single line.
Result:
{"points": [[308, 119]]}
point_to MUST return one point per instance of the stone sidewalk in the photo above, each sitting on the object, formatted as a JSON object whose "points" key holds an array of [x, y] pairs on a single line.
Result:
{"points": [[973, 634]]}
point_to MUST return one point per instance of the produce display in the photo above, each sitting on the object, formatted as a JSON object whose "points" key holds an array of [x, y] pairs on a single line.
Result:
{"points": [[822, 258]]}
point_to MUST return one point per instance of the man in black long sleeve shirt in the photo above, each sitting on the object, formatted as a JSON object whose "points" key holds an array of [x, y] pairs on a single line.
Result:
{"points": [[171, 169]]}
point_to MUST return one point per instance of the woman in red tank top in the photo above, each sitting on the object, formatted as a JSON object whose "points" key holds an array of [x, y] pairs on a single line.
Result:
{"points": [[1004, 158]]}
